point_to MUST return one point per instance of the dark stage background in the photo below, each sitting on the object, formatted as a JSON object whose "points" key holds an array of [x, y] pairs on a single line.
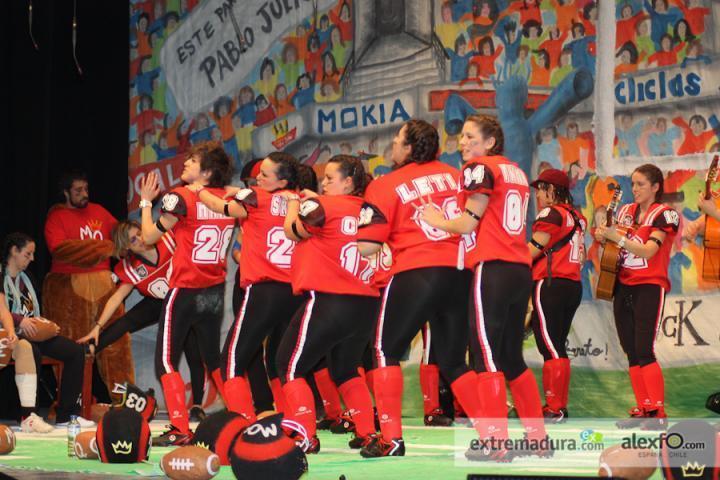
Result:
{"points": [[55, 119]]}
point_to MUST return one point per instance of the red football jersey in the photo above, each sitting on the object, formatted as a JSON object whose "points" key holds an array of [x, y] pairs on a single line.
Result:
{"points": [[91, 222], [151, 280], [202, 237], [500, 235], [389, 215], [558, 223], [330, 260], [266, 251], [635, 270]]}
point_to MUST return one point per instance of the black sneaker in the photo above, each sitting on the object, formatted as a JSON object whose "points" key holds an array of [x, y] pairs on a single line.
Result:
{"points": [[378, 447], [197, 414], [326, 423], [654, 421], [173, 437], [437, 418], [360, 442], [488, 455], [312, 445], [345, 425], [637, 416], [551, 416]]}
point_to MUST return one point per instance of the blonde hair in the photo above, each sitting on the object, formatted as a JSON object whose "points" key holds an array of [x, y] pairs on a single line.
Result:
{"points": [[121, 237]]}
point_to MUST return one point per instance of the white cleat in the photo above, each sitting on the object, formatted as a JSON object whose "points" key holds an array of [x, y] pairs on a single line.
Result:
{"points": [[35, 424]]}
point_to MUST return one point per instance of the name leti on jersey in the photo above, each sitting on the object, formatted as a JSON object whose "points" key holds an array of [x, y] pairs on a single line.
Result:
{"points": [[424, 186]]}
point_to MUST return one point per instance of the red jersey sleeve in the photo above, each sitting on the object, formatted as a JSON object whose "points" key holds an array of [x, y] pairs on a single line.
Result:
{"points": [[247, 198], [119, 272], [54, 232], [668, 221], [174, 204], [477, 178], [548, 220], [312, 215], [374, 222]]}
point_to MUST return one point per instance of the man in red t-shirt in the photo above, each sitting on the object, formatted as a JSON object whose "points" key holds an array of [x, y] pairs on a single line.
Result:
{"points": [[195, 300], [77, 233]]}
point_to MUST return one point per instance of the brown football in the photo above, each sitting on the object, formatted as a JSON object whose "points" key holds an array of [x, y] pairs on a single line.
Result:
{"points": [[628, 463], [86, 446], [44, 330], [190, 463], [5, 351], [7, 440]]}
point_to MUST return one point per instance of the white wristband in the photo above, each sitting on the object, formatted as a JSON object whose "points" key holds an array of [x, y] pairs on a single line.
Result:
{"points": [[621, 243], [145, 203]]}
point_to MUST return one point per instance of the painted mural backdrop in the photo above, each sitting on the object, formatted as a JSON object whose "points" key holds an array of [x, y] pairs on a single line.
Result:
{"points": [[321, 77]]}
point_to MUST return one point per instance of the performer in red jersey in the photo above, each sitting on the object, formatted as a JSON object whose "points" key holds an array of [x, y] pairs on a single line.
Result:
{"points": [[265, 261], [640, 291], [145, 268], [197, 282], [427, 284], [495, 193], [558, 252], [336, 319]]}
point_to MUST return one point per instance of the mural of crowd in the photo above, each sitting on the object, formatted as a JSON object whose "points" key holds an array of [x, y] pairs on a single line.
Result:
{"points": [[544, 40], [305, 67], [486, 40]]}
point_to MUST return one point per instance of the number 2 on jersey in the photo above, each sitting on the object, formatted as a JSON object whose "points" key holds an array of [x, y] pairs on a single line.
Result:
{"points": [[280, 248], [211, 244]]}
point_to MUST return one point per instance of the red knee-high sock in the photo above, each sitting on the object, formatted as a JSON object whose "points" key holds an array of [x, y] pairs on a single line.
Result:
{"points": [[430, 386], [238, 397], [388, 399], [329, 393], [655, 385], [552, 380], [301, 404], [465, 389], [493, 398], [370, 380], [174, 391], [637, 381], [218, 381], [278, 395], [527, 403], [357, 399], [565, 381]]}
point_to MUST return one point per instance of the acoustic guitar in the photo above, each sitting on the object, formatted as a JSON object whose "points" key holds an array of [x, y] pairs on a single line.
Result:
{"points": [[711, 238], [611, 256]]}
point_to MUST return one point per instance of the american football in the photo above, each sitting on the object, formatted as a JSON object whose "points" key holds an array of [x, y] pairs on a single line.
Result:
{"points": [[629, 463], [5, 351], [190, 463], [86, 446], [44, 330], [7, 440]]}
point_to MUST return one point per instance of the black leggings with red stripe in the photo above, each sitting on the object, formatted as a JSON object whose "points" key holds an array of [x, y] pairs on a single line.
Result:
{"points": [[638, 310], [498, 305], [144, 314], [184, 310], [329, 325], [554, 306], [437, 295], [265, 312]]}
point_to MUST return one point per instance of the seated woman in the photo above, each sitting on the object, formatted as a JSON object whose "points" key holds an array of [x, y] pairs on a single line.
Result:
{"points": [[21, 305], [145, 268]]}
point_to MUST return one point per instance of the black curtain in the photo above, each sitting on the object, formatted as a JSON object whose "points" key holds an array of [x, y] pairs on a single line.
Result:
{"points": [[55, 119]]}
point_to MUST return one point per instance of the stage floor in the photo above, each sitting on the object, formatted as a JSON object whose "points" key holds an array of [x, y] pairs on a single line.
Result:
{"points": [[431, 453]]}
